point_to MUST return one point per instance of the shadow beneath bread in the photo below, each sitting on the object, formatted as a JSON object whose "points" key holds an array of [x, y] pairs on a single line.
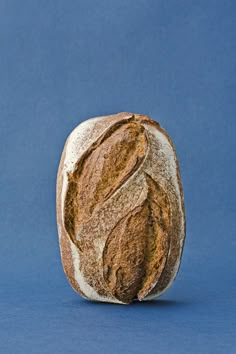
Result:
{"points": [[161, 303], [158, 303]]}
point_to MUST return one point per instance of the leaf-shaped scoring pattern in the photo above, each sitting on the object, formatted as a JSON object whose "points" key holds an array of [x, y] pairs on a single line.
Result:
{"points": [[103, 168], [136, 250]]}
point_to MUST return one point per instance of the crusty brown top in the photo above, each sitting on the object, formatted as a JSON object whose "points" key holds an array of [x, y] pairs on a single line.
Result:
{"points": [[122, 212]]}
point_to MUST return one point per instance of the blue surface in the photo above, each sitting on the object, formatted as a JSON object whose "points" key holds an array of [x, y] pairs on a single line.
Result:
{"points": [[65, 61]]}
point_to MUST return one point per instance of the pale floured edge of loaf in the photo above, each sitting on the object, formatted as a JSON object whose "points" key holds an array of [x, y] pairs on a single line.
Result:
{"points": [[171, 173], [80, 139]]}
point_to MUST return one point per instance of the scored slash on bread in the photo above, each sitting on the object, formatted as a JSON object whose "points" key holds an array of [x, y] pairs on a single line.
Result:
{"points": [[120, 209]]}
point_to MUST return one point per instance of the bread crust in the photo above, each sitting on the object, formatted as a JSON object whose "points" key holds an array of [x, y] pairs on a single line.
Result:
{"points": [[120, 209]]}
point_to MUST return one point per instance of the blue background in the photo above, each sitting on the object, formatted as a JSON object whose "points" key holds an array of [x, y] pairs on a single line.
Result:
{"points": [[62, 62]]}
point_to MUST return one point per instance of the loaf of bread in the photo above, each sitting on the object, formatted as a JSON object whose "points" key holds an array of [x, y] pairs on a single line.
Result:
{"points": [[120, 209]]}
